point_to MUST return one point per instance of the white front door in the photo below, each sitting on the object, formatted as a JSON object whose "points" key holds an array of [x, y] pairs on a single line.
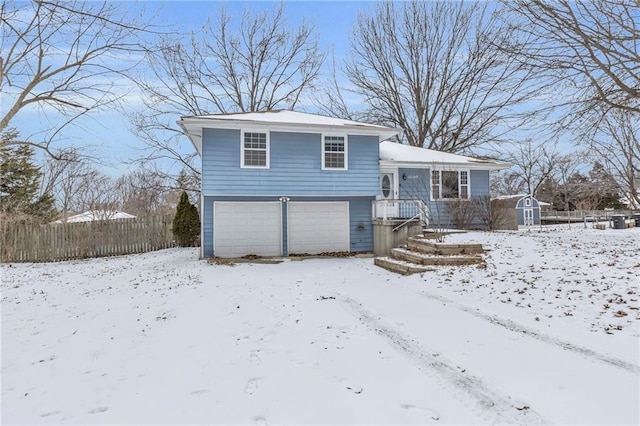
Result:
{"points": [[318, 227], [388, 193]]}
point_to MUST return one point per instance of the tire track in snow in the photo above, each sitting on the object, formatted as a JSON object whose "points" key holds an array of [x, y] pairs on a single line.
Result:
{"points": [[526, 331], [491, 405], [518, 328]]}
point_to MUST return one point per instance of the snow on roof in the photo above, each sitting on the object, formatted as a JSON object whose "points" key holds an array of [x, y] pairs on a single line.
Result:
{"points": [[93, 215], [508, 197], [280, 119], [401, 153]]}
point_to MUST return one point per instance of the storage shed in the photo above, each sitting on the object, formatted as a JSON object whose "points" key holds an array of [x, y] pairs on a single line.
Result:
{"points": [[512, 211]]}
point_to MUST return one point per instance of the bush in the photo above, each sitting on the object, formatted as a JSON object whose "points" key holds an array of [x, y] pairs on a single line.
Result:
{"points": [[186, 223]]}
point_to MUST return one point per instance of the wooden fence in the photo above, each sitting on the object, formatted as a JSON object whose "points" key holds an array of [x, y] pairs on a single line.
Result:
{"points": [[66, 241]]}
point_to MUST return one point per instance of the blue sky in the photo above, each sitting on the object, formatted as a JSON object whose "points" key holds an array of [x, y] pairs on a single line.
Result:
{"points": [[106, 133]]}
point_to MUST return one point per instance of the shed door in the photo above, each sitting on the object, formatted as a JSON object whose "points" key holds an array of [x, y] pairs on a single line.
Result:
{"points": [[528, 216], [317, 227], [241, 228]]}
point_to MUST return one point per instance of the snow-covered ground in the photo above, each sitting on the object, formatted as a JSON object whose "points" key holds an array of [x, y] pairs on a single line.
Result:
{"points": [[547, 332]]}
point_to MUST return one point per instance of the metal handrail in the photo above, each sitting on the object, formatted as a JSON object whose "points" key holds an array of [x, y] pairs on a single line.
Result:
{"points": [[417, 208]]}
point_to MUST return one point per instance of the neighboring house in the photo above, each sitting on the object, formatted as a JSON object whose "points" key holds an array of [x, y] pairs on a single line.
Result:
{"points": [[282, 182], [442, 180], [516, 210], [94, 215]]}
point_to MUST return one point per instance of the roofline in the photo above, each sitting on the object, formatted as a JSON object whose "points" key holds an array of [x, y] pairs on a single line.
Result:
{"points": [[191, 123], [444, 165]]}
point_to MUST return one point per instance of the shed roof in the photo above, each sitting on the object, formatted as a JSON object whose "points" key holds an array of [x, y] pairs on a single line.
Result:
{"points": [[280, 120], [401, 153]]}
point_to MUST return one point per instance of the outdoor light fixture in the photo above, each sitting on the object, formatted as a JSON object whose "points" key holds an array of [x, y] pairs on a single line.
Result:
{"points": [[284, 199]]}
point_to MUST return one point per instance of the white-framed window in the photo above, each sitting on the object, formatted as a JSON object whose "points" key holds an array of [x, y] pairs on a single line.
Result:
{"points": [[334, 152], [449, 184], [527, 202], [254, 152]]}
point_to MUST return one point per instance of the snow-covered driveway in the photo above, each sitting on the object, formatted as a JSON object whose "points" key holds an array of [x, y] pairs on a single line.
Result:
{"points": [[546, 333]]}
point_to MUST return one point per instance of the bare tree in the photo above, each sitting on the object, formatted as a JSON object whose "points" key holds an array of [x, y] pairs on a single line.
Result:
{"points": [[66, 178], [144, 192], [532, 163], [590, 50], [261, 65], [63, 58], [617, 145], [432, 69]]}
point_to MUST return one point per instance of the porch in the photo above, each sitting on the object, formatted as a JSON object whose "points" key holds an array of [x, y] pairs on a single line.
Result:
{"points": [[394, 221]]}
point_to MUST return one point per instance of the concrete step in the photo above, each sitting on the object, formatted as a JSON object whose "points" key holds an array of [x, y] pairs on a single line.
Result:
{"points": [[425, 246], [400, 266], [434, 234], [419, 258]]}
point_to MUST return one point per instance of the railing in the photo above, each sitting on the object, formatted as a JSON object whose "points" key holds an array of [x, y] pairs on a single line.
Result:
{"points": [[582, 215], [402, 210]]}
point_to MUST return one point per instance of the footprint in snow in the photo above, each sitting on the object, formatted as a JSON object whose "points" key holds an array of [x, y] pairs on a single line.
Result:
{"points": [[51, 413], [355, 388], [251, 387], [254, 357], [98, 410], [259, 420], [434, 415], [199, 392]]}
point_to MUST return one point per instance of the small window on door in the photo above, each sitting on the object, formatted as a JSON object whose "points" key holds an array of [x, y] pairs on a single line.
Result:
{"points": [[527, 202], [386, 186]]}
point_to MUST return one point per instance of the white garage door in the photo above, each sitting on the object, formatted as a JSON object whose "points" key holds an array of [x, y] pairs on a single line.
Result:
{"points": [[241, 228], [317, 227]]}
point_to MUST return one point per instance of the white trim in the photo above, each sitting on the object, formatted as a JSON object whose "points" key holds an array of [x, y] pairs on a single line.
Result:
{"points": [[291, 195], [440, 170], [442, 166], [192, 123], [242, 148], [346, 151], [396, 183]]}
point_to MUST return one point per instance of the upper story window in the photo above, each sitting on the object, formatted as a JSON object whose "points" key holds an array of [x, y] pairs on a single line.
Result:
{"points": [[449, 184], [334, 153], [255, 150]]}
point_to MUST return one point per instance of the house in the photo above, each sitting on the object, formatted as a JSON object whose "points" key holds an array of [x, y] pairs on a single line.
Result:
{"points": [[454, 187], [283, 182], [280, 183], [95, 215], [512, 211]]}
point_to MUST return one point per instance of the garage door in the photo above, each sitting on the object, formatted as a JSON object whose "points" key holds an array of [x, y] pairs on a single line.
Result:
{"points": [[317, 227], [241, 228]]}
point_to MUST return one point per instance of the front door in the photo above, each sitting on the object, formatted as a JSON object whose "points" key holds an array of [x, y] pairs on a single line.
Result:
{"points": [[388, 193]]}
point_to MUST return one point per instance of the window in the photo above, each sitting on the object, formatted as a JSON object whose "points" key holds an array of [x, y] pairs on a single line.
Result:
{"points": [[449, 184], [334, 153], [255, 150]]}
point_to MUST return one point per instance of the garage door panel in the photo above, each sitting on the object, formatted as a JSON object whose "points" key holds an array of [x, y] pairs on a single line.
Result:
{"points": [[317, 227], [242, 228]]}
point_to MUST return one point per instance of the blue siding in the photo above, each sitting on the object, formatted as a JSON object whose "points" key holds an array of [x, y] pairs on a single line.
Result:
{"points": [[295, 166], [207, 227], [360, 226], [416, 183], [535, 206]]}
